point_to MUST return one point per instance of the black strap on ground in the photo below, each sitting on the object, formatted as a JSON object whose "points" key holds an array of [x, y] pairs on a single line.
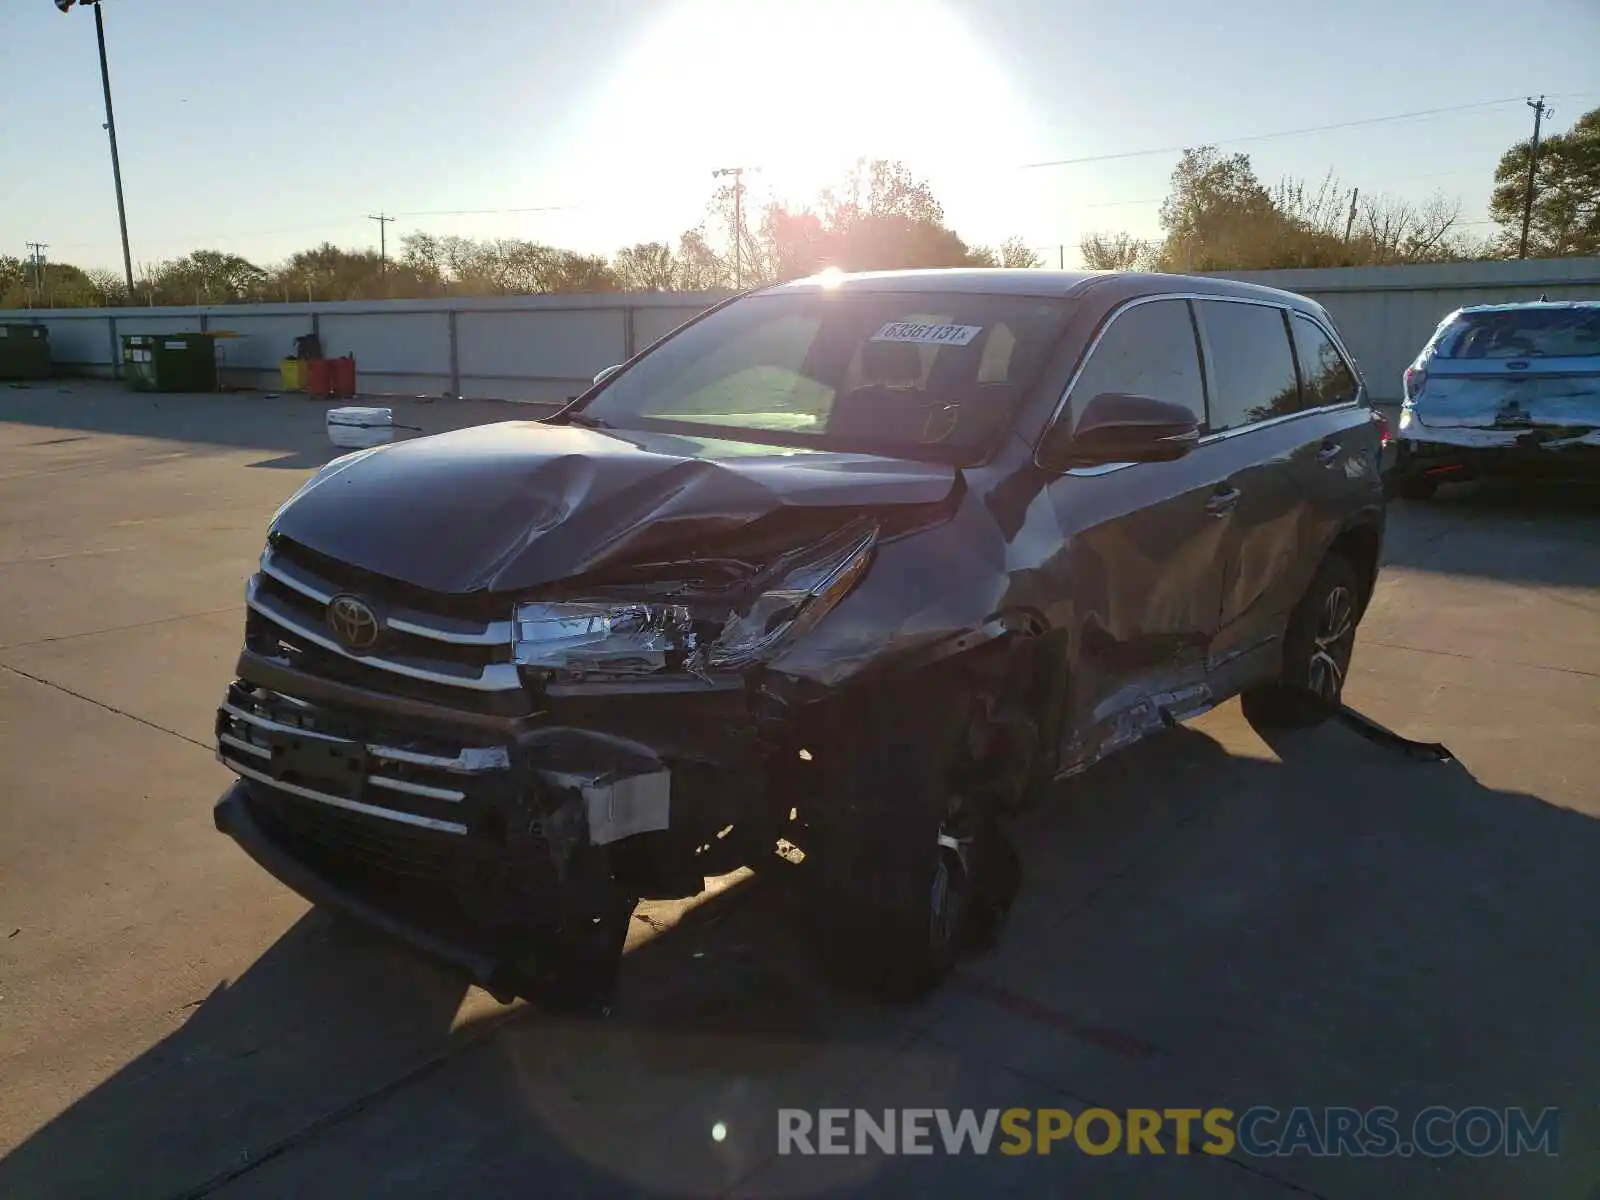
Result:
{"points": [[1383, 736]]}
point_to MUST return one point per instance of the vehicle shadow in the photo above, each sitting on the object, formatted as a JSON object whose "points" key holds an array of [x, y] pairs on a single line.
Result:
{"points": [[290, 424], [1501, 529], [1339, 922]]}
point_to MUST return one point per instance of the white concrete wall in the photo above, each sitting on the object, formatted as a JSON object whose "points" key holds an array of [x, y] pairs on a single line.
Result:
{"points": [[548, 348], [536, 348], [1386, 314]]}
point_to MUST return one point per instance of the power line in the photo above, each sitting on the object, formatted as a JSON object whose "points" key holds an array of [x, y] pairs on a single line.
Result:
{"points": [[489, 212], [1260, 137], [572, 207]]}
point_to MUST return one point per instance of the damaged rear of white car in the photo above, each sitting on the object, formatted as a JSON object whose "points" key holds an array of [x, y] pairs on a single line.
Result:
{"points": [[1504, 389]]}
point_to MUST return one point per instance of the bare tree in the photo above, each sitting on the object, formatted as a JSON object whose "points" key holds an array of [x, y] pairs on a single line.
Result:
{"points": [[1397, 231], [646, 267], [1118, 252], [110, 285]]}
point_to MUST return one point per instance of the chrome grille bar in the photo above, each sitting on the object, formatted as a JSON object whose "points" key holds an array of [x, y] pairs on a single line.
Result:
{"points": [[297, 578], [370, 810], [417, 789], [471, 760], [492, 677]]}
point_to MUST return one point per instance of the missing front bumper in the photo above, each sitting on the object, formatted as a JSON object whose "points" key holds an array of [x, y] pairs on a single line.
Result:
{"points": [[572, 969]]}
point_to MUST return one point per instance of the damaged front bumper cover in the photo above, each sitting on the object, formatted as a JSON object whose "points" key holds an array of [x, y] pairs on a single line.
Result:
{"points": [[490, 846]]}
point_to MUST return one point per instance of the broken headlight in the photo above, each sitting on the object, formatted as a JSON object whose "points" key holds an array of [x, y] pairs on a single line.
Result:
{"points": [[807, 587], [616, 637], [601, 636]]}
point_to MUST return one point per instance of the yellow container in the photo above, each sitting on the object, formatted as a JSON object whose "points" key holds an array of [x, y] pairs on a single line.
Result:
{"points": [[294, 374]]}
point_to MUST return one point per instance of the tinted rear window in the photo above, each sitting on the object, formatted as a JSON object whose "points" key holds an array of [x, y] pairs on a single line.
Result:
{"points": [[1524, 333], [1252, 364]]}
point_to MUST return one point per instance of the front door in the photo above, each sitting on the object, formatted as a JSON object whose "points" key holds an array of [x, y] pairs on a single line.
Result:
{"points": [[1140, 577]]}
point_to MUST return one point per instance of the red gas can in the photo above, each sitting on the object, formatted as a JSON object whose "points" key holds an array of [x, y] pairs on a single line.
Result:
{"points": [[319, 377], [344, 376]]}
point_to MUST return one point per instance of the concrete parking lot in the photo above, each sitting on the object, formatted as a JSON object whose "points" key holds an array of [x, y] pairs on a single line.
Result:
{"points": [[1209, 919]]}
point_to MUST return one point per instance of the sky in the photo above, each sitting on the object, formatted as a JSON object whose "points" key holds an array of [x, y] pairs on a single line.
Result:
{"points": [[260, 128]]}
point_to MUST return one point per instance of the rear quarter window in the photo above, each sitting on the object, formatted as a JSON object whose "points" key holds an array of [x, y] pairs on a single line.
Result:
{"points": [[1325, 375]]}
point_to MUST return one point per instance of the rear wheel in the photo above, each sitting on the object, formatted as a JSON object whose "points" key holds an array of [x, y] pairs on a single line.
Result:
{"points": [[1317, 649]]}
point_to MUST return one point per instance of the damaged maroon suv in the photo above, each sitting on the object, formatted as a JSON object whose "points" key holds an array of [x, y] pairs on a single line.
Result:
{"points": [[849, 569]]}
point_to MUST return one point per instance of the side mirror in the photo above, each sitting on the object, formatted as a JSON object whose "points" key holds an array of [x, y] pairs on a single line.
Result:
{"points": [[1120, 427], [607, 374]]}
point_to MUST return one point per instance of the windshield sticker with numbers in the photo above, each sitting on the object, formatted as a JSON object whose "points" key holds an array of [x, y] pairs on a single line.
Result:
{"points": [[927, 335]]}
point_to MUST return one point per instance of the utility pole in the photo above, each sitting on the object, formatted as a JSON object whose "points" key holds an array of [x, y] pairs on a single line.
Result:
{"points": [[383, 240], [111, 128], [1539, 110], [738, 220], [1350, 221], [36, 260], [1061, 252]]}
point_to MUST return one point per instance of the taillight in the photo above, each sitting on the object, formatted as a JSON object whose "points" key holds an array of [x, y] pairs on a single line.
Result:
{"points": [[1415, 378], [1382, 422]]}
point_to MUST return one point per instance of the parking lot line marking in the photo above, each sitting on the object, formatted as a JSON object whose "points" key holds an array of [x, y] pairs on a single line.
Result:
{"points": [[1019, 1005], [1480, 658], [13, 562], [110, 708], [67, 637]]}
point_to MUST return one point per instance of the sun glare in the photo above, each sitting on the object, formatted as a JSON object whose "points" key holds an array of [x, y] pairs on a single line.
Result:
{"points": [[800, 91]]}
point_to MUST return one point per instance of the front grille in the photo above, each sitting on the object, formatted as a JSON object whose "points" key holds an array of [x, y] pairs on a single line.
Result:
{"points": [[425, 652], [329, 838], [339, 767]]}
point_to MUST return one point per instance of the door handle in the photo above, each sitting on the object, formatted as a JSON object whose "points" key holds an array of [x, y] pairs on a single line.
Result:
{"points": [[1329, 454], [1221, 501]]}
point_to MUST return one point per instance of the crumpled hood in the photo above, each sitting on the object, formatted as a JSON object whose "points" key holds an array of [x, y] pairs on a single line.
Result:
{"points": [[522, 503]]}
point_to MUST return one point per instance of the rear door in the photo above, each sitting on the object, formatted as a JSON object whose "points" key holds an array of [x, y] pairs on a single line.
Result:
{"points": [[1297, 451], [1140, 576]]}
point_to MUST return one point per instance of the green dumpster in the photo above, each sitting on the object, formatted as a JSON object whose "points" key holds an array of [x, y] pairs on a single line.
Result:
{"points": [[24, 352], [169, 362]]}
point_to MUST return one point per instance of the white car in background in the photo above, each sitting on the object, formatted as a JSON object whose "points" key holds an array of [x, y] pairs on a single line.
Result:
{"points": [[1503, 389]]}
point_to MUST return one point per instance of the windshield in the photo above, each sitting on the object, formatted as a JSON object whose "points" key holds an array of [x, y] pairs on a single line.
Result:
{"points": [[1524, 333], [930, 375]]}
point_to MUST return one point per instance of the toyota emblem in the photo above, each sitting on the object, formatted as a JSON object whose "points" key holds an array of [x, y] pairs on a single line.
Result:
{"points": [[353, 622]]}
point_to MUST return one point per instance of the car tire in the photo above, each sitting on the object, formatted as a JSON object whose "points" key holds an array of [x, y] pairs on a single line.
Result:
{"points": [[904, 877], [1317, 647]]}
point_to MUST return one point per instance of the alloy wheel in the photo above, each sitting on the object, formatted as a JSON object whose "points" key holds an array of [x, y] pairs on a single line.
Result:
{"points": [[1332, 644]]}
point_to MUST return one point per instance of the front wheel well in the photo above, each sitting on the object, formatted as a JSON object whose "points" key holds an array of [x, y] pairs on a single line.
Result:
{"points": [[1359, 546]]}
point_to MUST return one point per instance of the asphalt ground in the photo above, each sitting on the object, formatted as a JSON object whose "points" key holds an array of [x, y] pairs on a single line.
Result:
{"points": [[1209, 919]]}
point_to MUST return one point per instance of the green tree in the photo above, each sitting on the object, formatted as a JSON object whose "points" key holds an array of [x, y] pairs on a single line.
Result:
{"points": [[206, 277], [1215, 210], [1566, 193], [58, 285], [1220, 217], [327, 272]]}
